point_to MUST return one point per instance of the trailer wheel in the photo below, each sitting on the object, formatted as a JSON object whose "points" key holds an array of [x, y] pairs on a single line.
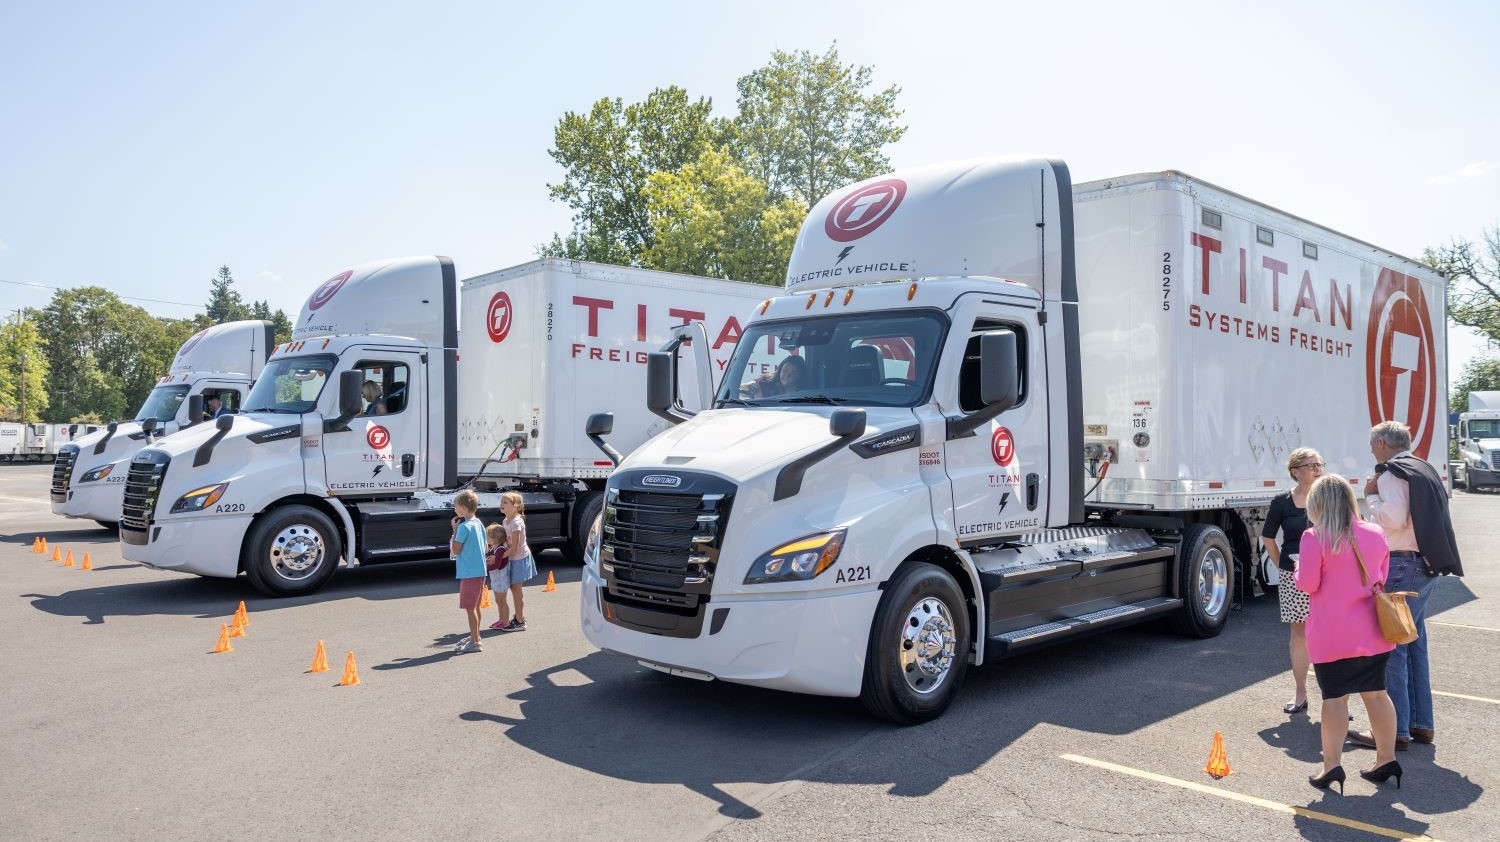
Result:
{"points": [[1205, 570], [291, 551], [586, 510], [919, 646]]}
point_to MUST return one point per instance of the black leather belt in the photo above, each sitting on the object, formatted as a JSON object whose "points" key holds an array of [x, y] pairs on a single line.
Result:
{"points": [[1406, 553]]}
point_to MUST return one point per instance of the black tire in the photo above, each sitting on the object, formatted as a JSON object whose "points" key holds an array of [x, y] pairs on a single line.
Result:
{"points": [[904, 682], [586, 509], [111, 525], [1205, 581], [291, 551], [1263, 566]]}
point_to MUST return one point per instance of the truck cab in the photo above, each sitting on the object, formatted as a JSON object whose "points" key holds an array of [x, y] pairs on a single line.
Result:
{"points": [[1478, 434], [88, 477]]}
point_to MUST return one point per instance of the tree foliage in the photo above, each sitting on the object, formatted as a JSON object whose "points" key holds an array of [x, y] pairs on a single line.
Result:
{"points": [[23, 369], [278, 319], [1480, 375], [224, 301], [667, 168], [713, 218], [806, 125], [1473, 271]]}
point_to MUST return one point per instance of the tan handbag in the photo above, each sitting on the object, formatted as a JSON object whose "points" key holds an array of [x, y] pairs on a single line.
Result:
{"points": [[1396, 623]]}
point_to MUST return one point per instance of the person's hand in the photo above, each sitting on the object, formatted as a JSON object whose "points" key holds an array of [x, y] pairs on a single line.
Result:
{"points": [[1371, 487]]}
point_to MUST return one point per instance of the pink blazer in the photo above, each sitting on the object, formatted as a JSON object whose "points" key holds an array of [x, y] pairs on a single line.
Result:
{"points": [[1341, 622]]}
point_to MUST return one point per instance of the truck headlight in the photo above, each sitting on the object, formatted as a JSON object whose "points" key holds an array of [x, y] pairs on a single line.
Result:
{"points": [[591, 547], [97, 474], [798, 561], [199, 499]]}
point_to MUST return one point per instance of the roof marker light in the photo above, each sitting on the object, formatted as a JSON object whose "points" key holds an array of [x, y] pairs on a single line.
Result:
{"points": [[764, 305], [912, 291], [829, 300], [810, 299], [326, 341], [848, 294]]}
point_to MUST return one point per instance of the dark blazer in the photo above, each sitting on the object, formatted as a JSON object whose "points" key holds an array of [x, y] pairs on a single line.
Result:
{"points": [[1428, 502]]}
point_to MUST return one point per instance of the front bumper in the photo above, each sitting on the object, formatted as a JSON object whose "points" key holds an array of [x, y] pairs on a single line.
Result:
{"points": [[1481, 477], [206, 546], [805, 644], [99, 501]]}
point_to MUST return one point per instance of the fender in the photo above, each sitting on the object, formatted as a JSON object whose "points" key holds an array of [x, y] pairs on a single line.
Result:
{"points": [[946, 539], [350, 559]]}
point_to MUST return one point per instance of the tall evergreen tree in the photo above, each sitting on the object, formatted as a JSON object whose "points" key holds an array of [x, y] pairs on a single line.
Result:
{"points": [[224, 302]]}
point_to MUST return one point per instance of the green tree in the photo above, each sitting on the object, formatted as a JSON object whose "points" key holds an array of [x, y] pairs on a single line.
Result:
{"points": [[808, 124], [713, 218], [1473, 272], [607, 156], [278, 319], [1480, 375], [224, 302], [23, 369]]}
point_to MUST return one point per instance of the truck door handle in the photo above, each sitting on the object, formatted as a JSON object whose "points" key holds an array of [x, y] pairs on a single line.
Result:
{"points": [[408, 464], [1033, 485]]}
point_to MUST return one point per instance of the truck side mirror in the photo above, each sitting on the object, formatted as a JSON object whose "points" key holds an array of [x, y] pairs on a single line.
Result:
{"points": [[599, 425], [223, 423], [195, 411], [351, 401], [149, 427], [847, 423], [661, 386]]}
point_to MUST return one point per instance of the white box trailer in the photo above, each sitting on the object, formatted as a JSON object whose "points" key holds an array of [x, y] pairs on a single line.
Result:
{"points": [[1021, 412], [362, 428]]}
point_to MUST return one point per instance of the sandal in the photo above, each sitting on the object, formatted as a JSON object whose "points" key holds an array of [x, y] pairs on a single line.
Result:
{"points": [[498, 625], [1293, 707]]}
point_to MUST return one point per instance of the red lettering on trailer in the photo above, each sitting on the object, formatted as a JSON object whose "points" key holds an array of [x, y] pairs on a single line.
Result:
{"points": [[1401, 358], [1278, 268], [497, 319], [594, 305], [1209, 246]]}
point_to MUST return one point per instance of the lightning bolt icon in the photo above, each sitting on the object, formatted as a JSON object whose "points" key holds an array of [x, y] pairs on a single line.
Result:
{"points": [[843, 254], [379, 466]]}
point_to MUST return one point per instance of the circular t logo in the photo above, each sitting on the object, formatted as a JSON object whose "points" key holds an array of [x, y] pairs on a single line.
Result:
{"points": [[188, 346], [864, 209], [1401, 358], [497, 321], [378, 437], [322, 294], [1002, 447]]}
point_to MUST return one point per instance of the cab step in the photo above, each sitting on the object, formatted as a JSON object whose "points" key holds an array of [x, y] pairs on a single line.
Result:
{"points": [[1051, 632]]}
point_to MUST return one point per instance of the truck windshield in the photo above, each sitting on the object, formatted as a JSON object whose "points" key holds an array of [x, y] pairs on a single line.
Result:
{"points": [[162, 403], [290, 385], [865, 359], [1484, 429]]}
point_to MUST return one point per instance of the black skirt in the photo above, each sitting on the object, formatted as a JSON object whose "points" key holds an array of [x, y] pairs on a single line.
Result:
{"points": [[1364, 674]]}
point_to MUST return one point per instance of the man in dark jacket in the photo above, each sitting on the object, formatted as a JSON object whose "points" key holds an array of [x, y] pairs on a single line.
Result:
{"points": [[1410, 502]]}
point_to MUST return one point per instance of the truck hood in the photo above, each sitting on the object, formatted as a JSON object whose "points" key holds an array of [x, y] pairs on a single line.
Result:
{"points": [[119, 446], [740, 443], [190, 439]]}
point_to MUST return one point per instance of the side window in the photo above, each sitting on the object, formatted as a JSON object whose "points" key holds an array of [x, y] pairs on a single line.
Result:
{"points": [[968, 375], [384, 389]]}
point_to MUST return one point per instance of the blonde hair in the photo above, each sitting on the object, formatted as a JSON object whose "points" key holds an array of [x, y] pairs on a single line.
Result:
{"points": [[1298, 456], [514, 497], [468, 499], [495, 533], [1332, 511]]}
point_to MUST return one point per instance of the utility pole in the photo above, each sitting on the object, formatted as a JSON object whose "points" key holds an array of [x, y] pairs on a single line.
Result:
{"points": [[23, 388]]}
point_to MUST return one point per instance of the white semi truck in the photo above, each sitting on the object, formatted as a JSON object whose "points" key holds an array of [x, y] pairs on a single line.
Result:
{"points": [[222, 361], [1017, 412], [360, 430], [1478, 437]]}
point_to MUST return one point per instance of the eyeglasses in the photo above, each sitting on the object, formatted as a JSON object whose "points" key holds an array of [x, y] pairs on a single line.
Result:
{"points": [[1318, 465]]}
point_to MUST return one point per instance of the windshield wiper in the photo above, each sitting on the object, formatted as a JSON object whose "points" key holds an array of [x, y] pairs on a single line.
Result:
{"points": [[738, 401], [822, 399]]}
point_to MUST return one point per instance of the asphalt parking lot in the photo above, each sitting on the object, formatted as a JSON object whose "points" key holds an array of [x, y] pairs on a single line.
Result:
{"points": [[116, 722]]}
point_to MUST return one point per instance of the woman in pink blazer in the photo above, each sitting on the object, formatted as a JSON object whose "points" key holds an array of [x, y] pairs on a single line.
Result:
{"points": [[1341, 561]]}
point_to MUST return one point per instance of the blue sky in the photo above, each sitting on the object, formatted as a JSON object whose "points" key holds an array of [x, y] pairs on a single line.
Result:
{"points": [[144, 144]]}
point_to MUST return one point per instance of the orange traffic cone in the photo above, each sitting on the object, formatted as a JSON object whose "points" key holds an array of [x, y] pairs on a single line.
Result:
{"points": [[551, 583], [223, 645], [69, 562], [36, 545], [320, 659], [486, 602], [57, 553], [44, 546], [351, 672], [1218, 758], [242, 616], [236, 629], [87, 563]]}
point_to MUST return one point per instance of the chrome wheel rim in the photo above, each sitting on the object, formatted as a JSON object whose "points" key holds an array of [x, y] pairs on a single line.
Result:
{"points": [[297, 551], [1213, 582], [926, 645]]}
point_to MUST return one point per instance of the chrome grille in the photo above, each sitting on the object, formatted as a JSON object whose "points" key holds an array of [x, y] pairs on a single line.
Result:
{"points": [[141, 488], [1495, 459], [62, 472], [660, 549]]}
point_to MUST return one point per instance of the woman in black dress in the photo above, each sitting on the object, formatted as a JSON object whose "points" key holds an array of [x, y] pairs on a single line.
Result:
{"points": [[1288, 514]]}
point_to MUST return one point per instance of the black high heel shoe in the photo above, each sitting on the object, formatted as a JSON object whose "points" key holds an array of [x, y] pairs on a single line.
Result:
{"points": [[1380, 774], [1336, 776]]}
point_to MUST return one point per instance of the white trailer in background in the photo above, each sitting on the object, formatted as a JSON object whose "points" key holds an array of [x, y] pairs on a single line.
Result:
{"points": [[222, 361], [38, 442], [361, 429]]}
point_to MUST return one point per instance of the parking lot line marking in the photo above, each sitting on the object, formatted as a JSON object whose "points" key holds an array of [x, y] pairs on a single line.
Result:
{"points": [[1277, 806], [1461, 626], [1470, 698]]}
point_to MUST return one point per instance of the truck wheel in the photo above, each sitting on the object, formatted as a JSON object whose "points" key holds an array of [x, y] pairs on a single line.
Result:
{"points": [[919, 646], [1205, 569], [293, 550], [585, 511]]}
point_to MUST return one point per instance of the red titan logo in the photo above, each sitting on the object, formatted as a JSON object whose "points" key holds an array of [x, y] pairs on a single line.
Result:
{"points": [[330, 287], [862, 211], [1401, 358], [497, 321], [1002, 447], [378, 437], [191, 342]]}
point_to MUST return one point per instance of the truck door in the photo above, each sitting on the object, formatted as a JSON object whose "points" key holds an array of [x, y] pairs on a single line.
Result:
{"points": [[999, 472], [384, 451]]}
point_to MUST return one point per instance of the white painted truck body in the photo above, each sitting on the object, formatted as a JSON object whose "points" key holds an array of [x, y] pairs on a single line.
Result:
{"points": [[309, 474], [88, 479], [1479, 442], [941, 533]]}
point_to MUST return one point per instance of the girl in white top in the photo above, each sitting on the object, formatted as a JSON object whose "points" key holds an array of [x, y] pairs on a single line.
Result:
{"points": [[521, 566]]}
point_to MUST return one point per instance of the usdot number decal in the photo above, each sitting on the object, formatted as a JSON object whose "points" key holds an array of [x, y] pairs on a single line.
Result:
{"points": [[1166, 280]]}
